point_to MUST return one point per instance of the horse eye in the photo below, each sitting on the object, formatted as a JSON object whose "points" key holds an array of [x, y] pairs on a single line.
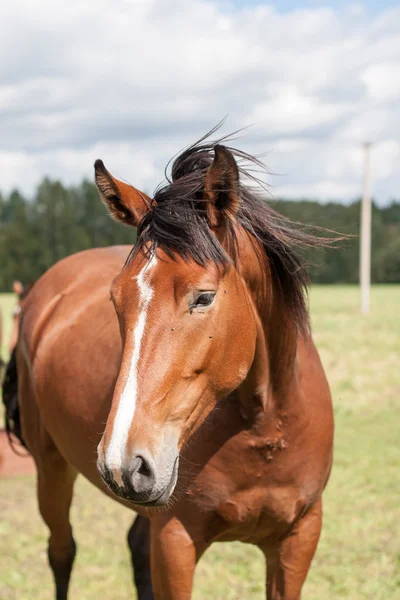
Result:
{"points": [[205, 299]]}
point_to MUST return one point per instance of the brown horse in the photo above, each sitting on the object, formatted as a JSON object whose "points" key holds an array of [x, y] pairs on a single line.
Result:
{"points": [[218, 417]]}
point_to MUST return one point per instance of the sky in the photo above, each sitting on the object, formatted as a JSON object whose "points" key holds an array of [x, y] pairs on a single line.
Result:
{"points": [[135, 81], [373, 6]]}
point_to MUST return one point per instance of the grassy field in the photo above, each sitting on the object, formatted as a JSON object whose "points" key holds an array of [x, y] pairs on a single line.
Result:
{"points": [[7, 304], [359, 553]]}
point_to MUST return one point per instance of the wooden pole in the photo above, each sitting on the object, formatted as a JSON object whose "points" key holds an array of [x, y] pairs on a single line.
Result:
{"points": [[365, 234]]}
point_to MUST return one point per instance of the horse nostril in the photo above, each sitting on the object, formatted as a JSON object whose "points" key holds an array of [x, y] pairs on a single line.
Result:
{"points": [[141, 466], [141, 475], [144, 469]]}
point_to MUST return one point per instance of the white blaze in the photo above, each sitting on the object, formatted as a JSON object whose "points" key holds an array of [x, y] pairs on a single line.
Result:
{"points": [[127, 402]]}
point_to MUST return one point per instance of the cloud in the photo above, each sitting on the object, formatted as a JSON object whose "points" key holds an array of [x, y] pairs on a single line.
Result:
{"points": [[133, 82]]}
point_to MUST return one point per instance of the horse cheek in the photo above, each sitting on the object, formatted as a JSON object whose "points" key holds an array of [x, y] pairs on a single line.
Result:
{"points": [[236, 358]]}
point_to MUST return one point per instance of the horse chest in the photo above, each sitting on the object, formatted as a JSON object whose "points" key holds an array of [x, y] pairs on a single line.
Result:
{"points": [[250, 515], [247, 492]]}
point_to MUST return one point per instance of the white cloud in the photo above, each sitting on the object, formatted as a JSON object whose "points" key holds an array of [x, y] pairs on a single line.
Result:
{"points": [[383, 82], [134, 81]]}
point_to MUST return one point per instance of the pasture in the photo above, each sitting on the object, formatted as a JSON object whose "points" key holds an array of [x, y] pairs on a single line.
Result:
{"points": [[7, 303], [359, 552]]}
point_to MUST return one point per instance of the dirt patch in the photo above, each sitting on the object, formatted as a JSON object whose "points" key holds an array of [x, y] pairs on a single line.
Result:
{"points": [[10, 463]]}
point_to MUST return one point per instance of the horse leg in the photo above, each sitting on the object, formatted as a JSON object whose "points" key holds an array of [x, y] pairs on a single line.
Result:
{"points": [[139, 545], [289, 561], [55, 487], [174, 555]]}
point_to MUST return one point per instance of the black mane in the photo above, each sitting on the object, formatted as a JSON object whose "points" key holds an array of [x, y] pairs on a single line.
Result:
{"points": [[177, 223]]}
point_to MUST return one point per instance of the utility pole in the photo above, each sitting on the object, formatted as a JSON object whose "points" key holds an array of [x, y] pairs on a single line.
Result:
{"points": [[365, 233]]}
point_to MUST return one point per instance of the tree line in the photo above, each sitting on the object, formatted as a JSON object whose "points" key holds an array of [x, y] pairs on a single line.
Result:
{"points": [[59, 220]]}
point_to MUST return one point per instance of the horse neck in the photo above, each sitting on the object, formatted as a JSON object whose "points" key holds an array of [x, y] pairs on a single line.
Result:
{"points": [[273, 373]]}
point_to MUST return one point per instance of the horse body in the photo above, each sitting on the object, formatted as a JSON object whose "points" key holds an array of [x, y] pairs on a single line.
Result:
{"points": [[254, 446], [70, 348]]}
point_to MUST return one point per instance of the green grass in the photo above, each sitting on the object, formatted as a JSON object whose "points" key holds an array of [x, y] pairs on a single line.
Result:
{"points": [[359, 553]]}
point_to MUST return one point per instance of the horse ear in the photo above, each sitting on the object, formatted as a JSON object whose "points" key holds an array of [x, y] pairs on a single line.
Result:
{"points": [[221, 187], [125, 203]]}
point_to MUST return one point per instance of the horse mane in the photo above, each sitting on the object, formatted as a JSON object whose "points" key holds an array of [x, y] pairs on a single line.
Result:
{"points": [[177, 223]]}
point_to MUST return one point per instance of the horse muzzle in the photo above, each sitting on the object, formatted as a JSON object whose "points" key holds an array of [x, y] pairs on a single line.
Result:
{"points": [[141, 480]]}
